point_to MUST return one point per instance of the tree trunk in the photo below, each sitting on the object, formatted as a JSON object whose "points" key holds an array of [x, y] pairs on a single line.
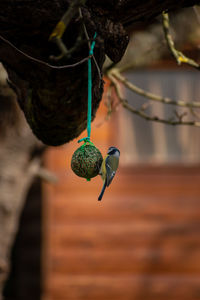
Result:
{"points": [[54, 101], [17, 143]]}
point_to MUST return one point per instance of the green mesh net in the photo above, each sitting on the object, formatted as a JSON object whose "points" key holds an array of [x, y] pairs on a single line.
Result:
{"points": [[86, 161]]}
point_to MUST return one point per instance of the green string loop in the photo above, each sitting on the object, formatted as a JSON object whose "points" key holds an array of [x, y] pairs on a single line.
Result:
{"points": [[89, 113]]}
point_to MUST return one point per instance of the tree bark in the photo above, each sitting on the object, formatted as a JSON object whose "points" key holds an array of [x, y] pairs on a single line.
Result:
{"points": [[54, 101], [17, 144]]}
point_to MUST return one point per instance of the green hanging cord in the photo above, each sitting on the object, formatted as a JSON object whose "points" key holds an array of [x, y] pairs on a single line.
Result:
{"points": [[89, 113]]}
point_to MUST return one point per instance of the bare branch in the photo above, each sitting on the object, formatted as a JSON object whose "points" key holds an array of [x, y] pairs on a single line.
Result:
{"points": [[56, 35], [141, 112], [36, 169], [165, 100], [46, 175], [64, 51], [178, 55]]}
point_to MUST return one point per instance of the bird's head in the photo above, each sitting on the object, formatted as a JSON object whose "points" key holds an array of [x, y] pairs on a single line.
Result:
{"points": [[113, 151]]}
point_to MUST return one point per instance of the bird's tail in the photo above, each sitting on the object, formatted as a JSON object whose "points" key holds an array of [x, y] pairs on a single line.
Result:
{"points": [[102, 191]]}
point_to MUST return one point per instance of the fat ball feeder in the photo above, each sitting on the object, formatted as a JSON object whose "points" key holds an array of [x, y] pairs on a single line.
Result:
{"points": [[87, 159]]}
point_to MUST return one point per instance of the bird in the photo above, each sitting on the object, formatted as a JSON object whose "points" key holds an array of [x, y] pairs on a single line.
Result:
{"points": [[108, 168]]}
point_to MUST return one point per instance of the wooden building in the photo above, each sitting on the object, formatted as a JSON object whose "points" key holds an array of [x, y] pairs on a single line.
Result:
{"points": [[142, 241]]}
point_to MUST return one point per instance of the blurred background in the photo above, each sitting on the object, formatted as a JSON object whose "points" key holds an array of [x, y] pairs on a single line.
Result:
{"points": [[142, 241]]}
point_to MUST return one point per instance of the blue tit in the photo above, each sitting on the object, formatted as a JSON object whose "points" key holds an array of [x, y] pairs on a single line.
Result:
{"points": [[108, 168]]}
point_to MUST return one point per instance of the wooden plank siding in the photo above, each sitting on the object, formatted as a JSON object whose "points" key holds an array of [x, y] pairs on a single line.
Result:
{"points": [[141, 242]]}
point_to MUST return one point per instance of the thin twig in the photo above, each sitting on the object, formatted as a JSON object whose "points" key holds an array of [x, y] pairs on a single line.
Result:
{"points": [[84, 28], [194, 113], [56, 35], [68, 53], [69, 14], [141, 112], [65, 20], [178, 55], [165, 100]]}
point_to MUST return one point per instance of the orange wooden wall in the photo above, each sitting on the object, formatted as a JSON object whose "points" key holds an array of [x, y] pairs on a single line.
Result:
{"points": [[141, 242]]}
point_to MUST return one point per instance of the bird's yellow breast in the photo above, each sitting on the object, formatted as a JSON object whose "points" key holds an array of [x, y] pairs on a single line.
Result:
{"points": [[103, 168]]}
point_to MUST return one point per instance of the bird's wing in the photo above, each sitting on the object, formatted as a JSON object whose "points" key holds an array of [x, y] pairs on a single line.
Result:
{"points": [[109, 173]]}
